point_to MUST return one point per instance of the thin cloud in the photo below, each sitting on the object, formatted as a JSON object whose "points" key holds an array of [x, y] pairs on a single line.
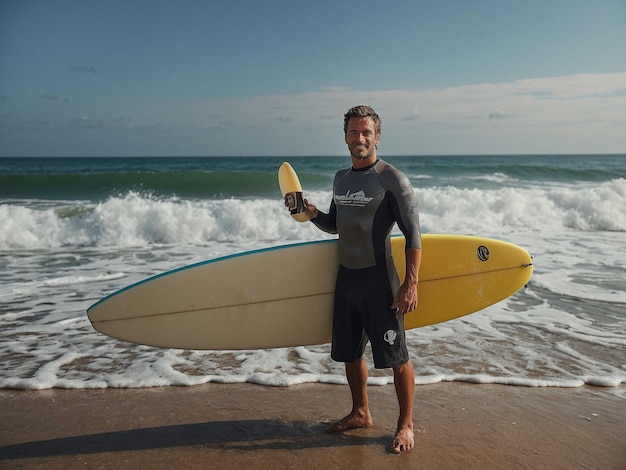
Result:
{"points": [[496, 114], [85, 69], [55, 98], [413, 116], [216, 122], [83, 122], [337, 89]]}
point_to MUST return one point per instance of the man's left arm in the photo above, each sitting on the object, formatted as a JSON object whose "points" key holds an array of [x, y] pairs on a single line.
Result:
{"points": [[406, 213], [405, 299]]}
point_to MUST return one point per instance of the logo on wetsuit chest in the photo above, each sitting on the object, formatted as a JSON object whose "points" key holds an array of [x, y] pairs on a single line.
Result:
{"points": [[358, 199]]}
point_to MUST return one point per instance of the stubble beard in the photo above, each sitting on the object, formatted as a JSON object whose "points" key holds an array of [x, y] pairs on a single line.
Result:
{"points": [[362, 156]]}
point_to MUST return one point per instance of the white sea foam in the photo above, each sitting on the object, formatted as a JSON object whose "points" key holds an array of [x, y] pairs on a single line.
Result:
{"points": [[137, 220], [531, 339]]}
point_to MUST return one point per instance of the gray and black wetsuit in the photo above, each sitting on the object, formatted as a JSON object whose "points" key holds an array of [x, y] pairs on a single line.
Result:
{"points": [[366, 204]]}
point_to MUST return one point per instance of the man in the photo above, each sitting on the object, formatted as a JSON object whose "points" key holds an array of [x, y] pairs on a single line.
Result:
{"points": [[370, 303]]}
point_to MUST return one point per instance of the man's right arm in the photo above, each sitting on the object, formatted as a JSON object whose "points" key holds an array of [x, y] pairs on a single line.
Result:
{"points": [[325, 222]]}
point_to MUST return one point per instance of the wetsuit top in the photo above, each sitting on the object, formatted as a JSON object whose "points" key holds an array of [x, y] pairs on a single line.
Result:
{"points": [[365, 205]]}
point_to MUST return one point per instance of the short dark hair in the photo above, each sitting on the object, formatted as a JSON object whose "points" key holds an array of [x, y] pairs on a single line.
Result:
{"points": [[360, 112]]}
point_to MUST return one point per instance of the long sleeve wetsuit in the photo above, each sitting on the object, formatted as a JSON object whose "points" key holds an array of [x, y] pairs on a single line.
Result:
{"points": [[366, 203]]}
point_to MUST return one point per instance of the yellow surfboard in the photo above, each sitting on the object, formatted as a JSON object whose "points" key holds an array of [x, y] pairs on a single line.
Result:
{"points": [[291, 189], [283, 296]]}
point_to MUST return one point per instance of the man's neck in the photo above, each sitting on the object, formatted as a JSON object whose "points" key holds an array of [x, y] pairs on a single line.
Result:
{"points": [[358, 163]]}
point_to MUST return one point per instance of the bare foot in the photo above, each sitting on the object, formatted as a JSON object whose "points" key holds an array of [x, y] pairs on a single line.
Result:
{"points": [[404, 439], [352, 421]]}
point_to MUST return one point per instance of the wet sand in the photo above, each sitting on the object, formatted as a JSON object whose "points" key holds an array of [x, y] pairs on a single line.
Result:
{"points": [[249, 426]]}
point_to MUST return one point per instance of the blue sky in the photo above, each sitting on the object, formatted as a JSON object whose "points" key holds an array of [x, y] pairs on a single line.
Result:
{"points": [[231, 77]]}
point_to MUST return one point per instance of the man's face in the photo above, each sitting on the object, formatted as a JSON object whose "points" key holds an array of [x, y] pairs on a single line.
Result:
{"points": [[361, 138]]}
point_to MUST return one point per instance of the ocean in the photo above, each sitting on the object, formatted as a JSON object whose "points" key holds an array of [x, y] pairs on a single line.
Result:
{"points": [[73, 230]]}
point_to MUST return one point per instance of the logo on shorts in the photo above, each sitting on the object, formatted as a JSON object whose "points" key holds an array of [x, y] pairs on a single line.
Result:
{"points": [[390, 337]]}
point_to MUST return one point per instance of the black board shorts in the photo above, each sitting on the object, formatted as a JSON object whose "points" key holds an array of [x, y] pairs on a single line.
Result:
{"points": [[362, 312]]}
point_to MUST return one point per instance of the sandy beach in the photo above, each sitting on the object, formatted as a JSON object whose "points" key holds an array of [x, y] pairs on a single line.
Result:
{"points": [[245, 425]]}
